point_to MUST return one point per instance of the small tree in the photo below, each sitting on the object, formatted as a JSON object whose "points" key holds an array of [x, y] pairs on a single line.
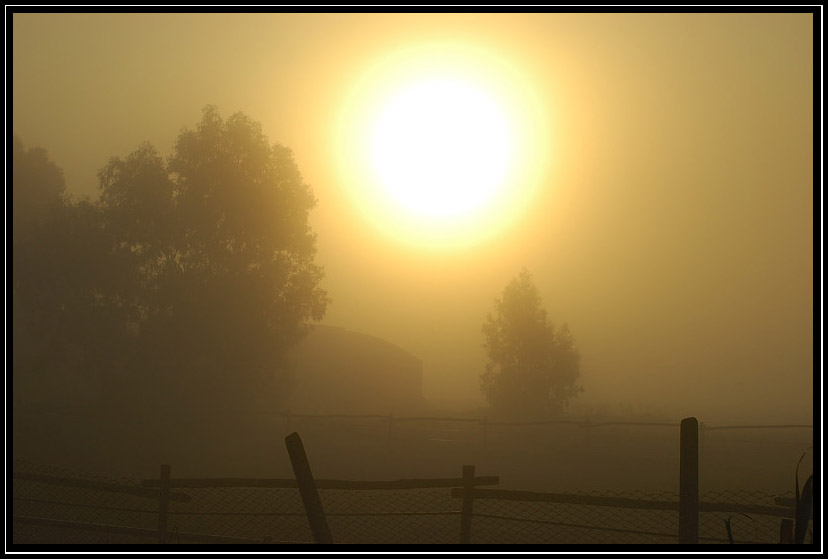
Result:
{"points": [[532, 368]]}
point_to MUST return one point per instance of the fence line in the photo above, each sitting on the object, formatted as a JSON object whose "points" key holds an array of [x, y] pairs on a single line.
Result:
{"points": [[217, 539], [579, 526], [606, 529], [84, 506], [586, 424], [288, 414], [97, 485], [688, 504], [148, 532], [130, 530], [430, 483], [566, 498], [457, 490], [617, 502], [485, 422], [793, 426]]}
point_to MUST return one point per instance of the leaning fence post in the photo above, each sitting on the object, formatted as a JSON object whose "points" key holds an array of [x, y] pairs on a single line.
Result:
{"points": [[689, 482], [468, 500], [307, 489], [163, 503]]}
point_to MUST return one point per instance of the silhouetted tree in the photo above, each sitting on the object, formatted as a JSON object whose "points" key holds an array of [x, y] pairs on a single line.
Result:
{"points": [[60, 324], [532, 369], [38, 194], [214, 257], [188, 279], [38, 189]]}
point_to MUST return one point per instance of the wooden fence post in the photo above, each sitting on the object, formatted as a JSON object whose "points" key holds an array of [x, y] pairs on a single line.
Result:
{"points": [[689, 482], [468, 500], [786, 531], [307, 489], [163, 503]]}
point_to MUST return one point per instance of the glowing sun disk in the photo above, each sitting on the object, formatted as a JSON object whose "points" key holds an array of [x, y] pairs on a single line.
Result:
{"points": [[441, 147]]}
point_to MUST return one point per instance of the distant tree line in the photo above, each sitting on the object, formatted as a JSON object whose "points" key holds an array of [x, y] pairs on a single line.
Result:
{"points": [[187, 278]]}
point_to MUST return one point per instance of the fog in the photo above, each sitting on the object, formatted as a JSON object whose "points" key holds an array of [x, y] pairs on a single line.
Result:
{"points": [[673, 225]]}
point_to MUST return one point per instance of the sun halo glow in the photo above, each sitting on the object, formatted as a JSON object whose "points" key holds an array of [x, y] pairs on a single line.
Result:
{"points": [[440, 145]]}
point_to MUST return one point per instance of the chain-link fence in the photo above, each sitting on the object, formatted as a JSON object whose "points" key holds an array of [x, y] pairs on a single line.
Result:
{"points": [[53, 506]]}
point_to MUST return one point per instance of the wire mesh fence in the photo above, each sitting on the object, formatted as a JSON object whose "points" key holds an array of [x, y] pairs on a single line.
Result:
{"points": [[746, 527], [393, 517], [54, 506], [261, 515], [506, 521], [48, 508]]}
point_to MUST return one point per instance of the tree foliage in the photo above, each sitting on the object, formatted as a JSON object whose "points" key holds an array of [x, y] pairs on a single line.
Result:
{"points": [[192, 275], [532, 367], [60, 326], [39, 193]]}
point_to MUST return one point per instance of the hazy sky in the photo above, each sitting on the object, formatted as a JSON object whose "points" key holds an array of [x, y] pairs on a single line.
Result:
{"points": [[672, 227]]}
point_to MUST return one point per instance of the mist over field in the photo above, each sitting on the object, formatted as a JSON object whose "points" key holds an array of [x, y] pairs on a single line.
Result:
{"points": [[533, 243]]}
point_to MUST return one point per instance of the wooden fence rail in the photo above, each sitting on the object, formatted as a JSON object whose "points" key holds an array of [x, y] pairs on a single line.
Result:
{"points": [[100, 486], [347, 485]]}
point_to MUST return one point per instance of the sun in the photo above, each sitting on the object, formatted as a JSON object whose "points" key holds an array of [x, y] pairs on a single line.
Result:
{"points": [[441, 145]]}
